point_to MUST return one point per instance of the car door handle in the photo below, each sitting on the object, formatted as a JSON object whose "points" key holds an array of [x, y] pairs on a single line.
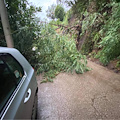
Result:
{"points": [[27, 97]]}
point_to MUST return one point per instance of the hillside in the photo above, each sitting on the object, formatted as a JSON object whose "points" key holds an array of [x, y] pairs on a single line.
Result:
{"points": [[95, 27]]}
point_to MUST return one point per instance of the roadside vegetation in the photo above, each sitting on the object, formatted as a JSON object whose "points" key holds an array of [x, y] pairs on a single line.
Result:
{"points": [[89, 28], [96, 26], [57, 53]]}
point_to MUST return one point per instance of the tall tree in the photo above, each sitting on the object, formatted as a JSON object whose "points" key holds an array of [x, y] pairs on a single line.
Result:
{"points": [[59, 12]]}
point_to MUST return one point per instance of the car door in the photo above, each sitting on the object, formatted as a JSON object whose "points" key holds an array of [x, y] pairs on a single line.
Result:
{"points": [[16, 99]]}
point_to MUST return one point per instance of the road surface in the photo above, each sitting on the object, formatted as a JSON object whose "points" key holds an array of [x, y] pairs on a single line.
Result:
{"points": [[92, 95]]}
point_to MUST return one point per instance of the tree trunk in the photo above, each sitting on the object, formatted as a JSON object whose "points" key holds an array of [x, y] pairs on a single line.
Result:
{"points": [[80, 41], [6, 25]]}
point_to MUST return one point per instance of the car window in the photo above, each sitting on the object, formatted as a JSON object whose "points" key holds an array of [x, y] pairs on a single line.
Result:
{"points": [[11, 73]]}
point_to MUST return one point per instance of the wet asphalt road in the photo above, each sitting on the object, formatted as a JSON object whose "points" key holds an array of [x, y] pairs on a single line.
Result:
{"points": [[92, 95]]}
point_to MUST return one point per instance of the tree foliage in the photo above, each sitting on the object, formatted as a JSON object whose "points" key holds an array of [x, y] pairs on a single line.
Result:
{"points": [[58, 53], [101, 21], [52, 52], [24, 26], [78, 6], [51, 11], [110, 43], [59, 12]]}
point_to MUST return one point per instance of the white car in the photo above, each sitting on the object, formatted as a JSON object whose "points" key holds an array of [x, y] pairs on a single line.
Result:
{"points": [[18, 86]]}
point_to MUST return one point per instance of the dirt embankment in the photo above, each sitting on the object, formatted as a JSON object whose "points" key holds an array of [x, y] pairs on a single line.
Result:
{"points": [[111, 66]]}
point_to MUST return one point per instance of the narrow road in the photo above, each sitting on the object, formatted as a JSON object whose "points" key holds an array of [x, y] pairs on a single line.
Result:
{"points": [[92, 95]]}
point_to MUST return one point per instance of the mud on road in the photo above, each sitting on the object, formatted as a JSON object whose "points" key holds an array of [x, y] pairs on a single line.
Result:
{"points": [[92, 95]]}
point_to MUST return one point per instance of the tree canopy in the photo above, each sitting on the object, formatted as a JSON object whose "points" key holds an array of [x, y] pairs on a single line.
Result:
{"points": [[59, 12], [89, 28], [24, 26], [51, 11]]}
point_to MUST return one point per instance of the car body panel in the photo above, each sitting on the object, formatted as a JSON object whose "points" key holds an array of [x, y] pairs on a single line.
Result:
{"points": [[16, 108]]}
